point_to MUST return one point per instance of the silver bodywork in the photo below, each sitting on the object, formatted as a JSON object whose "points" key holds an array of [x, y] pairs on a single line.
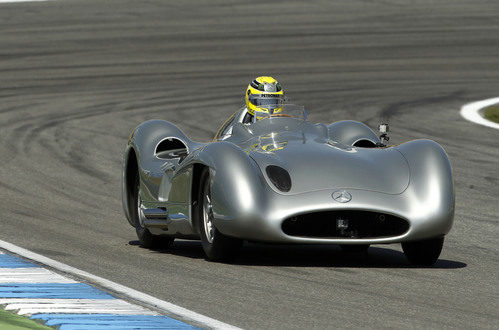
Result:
{"points": [[411, 181]]}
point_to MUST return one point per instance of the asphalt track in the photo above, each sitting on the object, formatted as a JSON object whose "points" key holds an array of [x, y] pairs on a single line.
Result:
{"points": [[77, 76]]}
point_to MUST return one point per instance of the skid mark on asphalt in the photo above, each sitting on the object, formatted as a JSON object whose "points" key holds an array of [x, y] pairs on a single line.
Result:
{"points": [[13, 1], [9, 1]]}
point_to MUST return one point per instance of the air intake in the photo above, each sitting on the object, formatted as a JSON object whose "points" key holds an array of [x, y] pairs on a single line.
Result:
{"points": [[279, 177], [345, 224]]}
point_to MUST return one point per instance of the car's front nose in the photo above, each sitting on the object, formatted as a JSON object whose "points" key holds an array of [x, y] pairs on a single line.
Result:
{"points": [[421, 206], [316, 217]]}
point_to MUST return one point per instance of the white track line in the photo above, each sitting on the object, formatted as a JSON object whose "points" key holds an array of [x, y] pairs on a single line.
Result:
{"points": [[471, 111], [31, 275], [121, 289], [80, 306], [77, 310]]}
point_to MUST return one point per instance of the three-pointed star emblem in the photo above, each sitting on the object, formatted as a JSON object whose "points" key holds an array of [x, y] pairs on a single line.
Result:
{"points": [[342, 196]]}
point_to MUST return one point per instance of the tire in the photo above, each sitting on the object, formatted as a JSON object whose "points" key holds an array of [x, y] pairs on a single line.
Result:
{"points": [[360, 248], [423, 253], [216, 246], [146, 239]]}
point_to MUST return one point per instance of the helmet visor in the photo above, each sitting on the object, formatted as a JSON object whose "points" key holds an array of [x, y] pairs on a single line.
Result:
{"points": [[267, 101]]}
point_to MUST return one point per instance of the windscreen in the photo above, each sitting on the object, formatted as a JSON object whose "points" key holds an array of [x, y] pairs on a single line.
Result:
{"points": [[280, 111]]}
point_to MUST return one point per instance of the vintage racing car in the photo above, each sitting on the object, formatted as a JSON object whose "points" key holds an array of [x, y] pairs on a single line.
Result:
{"points": [[282, 179]]}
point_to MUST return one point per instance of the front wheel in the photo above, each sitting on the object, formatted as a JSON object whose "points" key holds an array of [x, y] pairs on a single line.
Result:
{"points": [[425, 252], [146, 239], [216, 245]]}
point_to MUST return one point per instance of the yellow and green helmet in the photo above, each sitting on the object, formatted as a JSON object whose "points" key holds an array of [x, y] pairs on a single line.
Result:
{"points": [[264, 94]]}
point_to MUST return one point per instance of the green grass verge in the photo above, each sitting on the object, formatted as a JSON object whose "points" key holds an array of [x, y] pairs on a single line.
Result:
{"points": [[492, 113], [11, 321]]}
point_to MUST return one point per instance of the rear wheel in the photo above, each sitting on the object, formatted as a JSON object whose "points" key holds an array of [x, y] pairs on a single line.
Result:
{"points": [[146, 239], [217, 246], [424, 253]]}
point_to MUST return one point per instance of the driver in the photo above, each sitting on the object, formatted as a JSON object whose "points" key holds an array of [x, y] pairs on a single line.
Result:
{"points": [[264, 94]]}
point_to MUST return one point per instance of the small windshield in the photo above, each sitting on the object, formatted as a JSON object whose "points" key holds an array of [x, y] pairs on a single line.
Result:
{"points": [[281, 111]]}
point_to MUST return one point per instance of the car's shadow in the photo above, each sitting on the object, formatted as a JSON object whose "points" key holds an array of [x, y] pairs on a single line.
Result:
{"points": [[255, 254]]}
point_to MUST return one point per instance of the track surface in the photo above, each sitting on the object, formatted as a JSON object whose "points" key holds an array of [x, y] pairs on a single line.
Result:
{"points": [[78, 76]]}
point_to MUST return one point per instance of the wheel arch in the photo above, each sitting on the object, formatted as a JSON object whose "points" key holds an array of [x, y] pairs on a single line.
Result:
{"points": [[352, 133], [238, 189], [431, 186]]}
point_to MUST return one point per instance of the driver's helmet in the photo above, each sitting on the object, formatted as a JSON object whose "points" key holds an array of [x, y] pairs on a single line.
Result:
{"points": [[264, 95]]}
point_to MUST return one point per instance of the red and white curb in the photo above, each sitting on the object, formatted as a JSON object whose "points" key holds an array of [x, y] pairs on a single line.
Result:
{"points": [[471, 112]]}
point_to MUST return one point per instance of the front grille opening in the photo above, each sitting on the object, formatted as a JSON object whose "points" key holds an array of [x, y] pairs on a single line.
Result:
{"points": [[345, 224]]}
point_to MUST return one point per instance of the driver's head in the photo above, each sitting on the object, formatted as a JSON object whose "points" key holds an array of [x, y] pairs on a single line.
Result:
{"points": [[264, 94]]}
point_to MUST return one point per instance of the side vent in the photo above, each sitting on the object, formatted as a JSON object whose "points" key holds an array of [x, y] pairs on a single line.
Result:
{"points": [[171, 148], [365, 144], [170, 144]]}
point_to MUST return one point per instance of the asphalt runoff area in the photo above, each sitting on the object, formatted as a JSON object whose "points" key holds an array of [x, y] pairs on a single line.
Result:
{"points": [[78, 76]]}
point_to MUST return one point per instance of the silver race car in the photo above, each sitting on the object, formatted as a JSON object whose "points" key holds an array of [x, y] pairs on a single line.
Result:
{"points": [[281, 179]]}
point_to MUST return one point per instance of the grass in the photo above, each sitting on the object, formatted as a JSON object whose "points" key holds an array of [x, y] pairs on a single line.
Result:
{"points": [[492, 113], [13, 321]]}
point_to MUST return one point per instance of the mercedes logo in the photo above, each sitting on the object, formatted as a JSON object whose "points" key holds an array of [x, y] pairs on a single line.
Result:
{"points": [[342, 196]]}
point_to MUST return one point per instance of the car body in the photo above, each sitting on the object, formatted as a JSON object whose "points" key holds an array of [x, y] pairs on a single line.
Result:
{"points": [[282, 179]]}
